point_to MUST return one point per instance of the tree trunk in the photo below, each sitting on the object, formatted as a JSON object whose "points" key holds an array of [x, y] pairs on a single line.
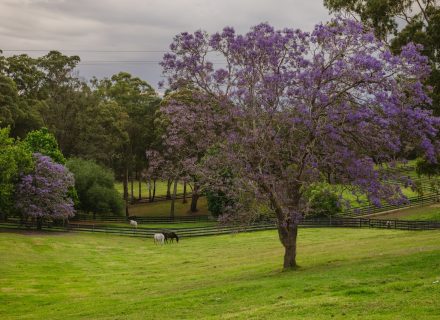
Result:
{"points": [[173, 200], [132, 188], [3, 216], [154, 190], [140, 187], [288, 235], [149, 189], [168, 189], [39, 223], [125, 184], [184, 193], [126, 191], [194, 198]]}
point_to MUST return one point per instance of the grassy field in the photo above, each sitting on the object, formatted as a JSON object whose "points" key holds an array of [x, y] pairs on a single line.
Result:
{"points": [[161, 188], [162, 208], [431, 213], [344, 274]]}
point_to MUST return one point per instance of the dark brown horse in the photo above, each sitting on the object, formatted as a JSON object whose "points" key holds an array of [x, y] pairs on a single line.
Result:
{"points": [[170, 235]]}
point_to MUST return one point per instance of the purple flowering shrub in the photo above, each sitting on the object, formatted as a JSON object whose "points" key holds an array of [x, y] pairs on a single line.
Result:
{"points": [[301, 108], [44, 192]]}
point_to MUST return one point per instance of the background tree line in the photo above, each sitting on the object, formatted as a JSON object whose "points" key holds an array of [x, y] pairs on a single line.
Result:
{"points": [[108, 122], [114, 121]]}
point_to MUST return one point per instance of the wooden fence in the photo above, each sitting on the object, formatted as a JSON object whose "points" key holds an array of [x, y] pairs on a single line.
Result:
{"points": [[370, 209], [222, 229], [153, 219], [179, 196]]}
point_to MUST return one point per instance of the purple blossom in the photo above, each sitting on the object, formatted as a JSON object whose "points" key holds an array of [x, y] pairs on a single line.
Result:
{"points": [[44, 192], [293, 108]]}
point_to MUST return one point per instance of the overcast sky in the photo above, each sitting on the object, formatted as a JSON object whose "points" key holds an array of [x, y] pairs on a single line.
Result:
{"points": [[83, 26]]}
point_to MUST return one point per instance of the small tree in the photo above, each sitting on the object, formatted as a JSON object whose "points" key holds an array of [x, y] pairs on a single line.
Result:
{"points": [[322, 202], [43, 194], [43, 142], [95, 187], [15, 160]]}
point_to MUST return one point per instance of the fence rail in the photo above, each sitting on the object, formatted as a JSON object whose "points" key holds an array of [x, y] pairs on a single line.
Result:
{"points": [[179, 196], [221, 229], [371, 209], [156, 219]]}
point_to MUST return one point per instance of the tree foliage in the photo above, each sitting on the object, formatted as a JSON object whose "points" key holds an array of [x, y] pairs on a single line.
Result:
{"points": [[322, 201], [43, 142], [95, 187], [44, 193], [15, 160], [401, 22], [137, 99]]}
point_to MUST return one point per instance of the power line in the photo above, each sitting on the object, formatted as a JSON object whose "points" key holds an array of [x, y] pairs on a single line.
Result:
{"points": [[84, 50], [136, 61], [118, 61]]}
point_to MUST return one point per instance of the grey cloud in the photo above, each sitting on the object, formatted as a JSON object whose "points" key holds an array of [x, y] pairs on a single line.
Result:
{"points": [[137, 25]]}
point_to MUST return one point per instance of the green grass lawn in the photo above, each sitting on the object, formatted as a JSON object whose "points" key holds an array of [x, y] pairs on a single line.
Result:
{"points": [[344, 274], [162, 208], [161, 188], [431, 213]]}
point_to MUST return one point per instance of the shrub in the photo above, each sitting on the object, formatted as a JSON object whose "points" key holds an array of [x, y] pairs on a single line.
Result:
{"points": [[322, 202], [94, 185], [217, 202]]}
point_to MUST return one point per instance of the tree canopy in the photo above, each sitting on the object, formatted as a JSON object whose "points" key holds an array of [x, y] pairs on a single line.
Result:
{"points": [[401, 22], [301, 108], [15, 160], [44, 193], [95, 187]]}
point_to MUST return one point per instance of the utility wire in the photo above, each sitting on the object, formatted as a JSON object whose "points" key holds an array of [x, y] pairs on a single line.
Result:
{"points": [[83, 50]]}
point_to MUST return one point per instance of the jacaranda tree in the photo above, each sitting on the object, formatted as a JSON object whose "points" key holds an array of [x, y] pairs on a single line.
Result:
{"points": [[306, 107], [44, 192]]}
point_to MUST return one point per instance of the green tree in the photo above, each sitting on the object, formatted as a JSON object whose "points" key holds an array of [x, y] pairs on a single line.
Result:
{"points": [[427, 168], [50, 94], [95, 187], [15, 110], [42, 141], [102, 133], [140, 102], [322, 201], [15, 160], [65, 96], [8, 101]]}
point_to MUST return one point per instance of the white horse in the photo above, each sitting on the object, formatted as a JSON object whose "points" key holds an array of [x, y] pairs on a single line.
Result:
{"points": [[159, 238], [134, 223]]}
